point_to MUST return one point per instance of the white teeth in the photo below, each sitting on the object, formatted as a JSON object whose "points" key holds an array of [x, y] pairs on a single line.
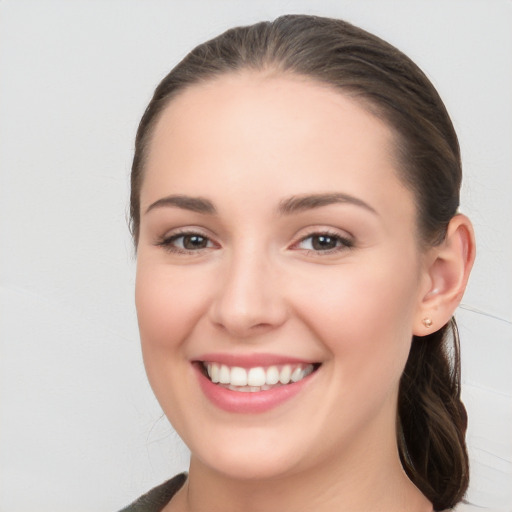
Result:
{"points": [[256, 377], [297, 374], [238, 376], [285, 374], [224, 375], [272, 375], [213, 372]]}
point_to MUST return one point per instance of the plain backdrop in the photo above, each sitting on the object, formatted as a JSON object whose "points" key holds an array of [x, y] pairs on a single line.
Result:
{"points": [[79, 427]]}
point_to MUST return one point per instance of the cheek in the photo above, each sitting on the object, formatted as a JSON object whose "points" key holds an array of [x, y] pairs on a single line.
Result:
{"points": [[168, 303], [169, 306], [364, 318]]}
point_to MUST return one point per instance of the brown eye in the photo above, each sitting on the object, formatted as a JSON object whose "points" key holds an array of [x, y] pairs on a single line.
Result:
{"points": [[324, 242], [192, 242], [186, 243]]}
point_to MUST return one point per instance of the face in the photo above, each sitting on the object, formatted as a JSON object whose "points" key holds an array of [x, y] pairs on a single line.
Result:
{"points": [[278, 275]]}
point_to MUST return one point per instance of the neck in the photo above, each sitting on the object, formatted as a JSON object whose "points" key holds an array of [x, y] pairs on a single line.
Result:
{"points": [[367, 477]]}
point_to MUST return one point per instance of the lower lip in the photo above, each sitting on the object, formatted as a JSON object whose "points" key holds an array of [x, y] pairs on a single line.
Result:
{"points": [[249, 402]]}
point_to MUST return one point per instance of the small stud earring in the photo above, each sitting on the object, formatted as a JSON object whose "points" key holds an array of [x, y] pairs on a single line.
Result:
{"points": [[427, 322]]}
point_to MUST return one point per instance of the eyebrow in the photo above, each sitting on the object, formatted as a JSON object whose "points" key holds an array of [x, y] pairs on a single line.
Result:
{"points": [[301, 203], [288, 206], [194, 204]]}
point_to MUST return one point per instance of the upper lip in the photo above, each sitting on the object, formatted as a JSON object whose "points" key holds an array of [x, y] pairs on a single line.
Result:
{"points": [[251, 360]]}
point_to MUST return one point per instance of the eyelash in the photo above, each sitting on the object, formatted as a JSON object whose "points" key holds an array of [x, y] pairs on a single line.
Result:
{"points": [[342, 243], [168, 242]]}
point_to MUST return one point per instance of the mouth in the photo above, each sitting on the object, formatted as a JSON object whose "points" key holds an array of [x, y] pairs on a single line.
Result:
{"points": [[258, 378]]}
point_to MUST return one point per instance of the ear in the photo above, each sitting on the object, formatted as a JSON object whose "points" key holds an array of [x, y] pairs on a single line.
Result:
{"points": [[446, 272]]}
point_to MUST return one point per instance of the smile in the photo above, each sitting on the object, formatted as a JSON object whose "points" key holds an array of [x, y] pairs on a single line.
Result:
{"points": [[254, 384], [258, 378]]}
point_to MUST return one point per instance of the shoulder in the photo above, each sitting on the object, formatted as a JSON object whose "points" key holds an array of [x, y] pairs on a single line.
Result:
{"points": [[156, 499]]}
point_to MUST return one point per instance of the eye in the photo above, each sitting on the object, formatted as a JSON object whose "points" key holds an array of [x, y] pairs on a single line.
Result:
{"points": [[186, 242], [324, 242]]}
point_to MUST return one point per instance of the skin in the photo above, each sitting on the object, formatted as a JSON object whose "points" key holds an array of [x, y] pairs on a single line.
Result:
{"points": [[246, 143]]}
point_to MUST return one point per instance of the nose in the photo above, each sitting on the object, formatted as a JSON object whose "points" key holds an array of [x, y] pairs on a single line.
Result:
{"points": [[249, 299]]}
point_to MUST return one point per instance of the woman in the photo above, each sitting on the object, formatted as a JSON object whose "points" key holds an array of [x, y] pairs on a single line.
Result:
{"points": [[294, 201]]}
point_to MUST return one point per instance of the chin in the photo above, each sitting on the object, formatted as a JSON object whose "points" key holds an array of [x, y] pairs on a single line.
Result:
{"points": [[255, 470], [248, 460]]}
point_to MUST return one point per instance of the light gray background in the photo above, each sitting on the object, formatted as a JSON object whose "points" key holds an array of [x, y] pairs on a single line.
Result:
{"points": [[79, 427]]}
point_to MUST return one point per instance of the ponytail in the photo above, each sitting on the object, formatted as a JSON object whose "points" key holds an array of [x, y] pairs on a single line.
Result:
{"points": [[432, 420]]}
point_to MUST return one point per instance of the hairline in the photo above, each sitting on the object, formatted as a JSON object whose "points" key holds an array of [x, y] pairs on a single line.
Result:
{"points": [[273, 69]]}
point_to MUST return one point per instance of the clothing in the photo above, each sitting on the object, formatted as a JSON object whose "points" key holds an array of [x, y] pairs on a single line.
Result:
{"points": [[156, 499]]}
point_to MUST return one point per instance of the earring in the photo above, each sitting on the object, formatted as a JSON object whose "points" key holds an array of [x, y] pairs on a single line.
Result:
{"points": [[427, 322]]}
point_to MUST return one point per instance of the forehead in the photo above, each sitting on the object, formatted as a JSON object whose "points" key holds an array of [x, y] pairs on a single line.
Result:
{"points": [[288, 132], [254, 101]]}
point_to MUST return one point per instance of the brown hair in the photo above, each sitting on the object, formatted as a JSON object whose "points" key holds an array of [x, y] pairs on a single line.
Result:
{"points": [[432, 420]]}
